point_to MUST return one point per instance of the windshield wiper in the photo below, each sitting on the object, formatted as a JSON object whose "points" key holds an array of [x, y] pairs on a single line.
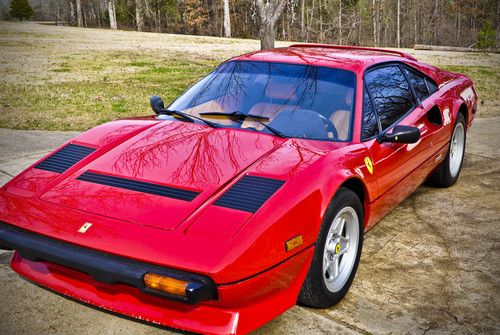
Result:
{"points": [[189, 117], [237, 115], [242, 116]]}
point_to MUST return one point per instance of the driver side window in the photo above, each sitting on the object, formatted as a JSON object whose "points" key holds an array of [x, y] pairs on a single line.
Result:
{"points": [[390, 94]]}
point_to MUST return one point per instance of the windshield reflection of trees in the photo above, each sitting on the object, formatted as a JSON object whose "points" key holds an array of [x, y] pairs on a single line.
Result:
{"points": [[240, 80], [390, 93], [190, 154], [266, 89], [291, 159], [117, 133]]}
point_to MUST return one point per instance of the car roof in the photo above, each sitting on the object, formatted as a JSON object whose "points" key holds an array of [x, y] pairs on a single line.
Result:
{"points": [[338, 56]]}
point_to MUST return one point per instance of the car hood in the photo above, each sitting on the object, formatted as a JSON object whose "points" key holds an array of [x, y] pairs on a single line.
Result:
{"points": [[161, 175]]}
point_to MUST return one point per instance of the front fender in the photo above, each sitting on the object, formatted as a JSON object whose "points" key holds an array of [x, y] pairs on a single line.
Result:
{"points": [[297, 209]]}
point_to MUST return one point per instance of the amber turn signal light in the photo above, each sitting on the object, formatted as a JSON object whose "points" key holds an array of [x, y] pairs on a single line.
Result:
{"points": [[293, 243], [165, 284]]}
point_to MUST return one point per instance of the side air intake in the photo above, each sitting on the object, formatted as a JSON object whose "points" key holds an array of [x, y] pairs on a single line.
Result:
{"points": [[138, 186], [65, 158], [249, 193]]}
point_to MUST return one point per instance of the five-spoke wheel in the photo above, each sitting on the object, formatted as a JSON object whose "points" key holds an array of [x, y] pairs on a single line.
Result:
{"points": [[340, 249], [337, 252], [448, 171]]}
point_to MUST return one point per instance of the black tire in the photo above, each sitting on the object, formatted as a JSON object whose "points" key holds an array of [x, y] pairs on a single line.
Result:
{"points": [[442, 176], [314, 292]]}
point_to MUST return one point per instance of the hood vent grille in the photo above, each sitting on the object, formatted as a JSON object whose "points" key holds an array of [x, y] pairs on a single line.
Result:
{"points": [[249, 193], [65, 158], [138, 186]]}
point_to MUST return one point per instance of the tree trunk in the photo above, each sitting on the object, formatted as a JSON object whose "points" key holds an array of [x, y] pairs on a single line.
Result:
{"points": [[139, 15], [374, 18], [360, 25], [340, 21], [79, 16], [415, 9], [72, 13], [458, 27], [157, 18], [302, 16], [267, 36], [269, 13], [227, 19], [84, 12], [381, 24], [112, 14], [399, 25], [320, 5], [99, 14], [214, 18]]}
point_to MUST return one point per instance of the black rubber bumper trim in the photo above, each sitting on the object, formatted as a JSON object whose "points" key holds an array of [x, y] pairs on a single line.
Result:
{"points": [[102, 267]]}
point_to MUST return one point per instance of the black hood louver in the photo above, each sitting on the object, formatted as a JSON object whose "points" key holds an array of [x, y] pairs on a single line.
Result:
{"points": [[65, 158], [249, 193], [138, 186]]}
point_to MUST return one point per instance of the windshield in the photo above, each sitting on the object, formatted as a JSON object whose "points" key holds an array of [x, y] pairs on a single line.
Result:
{"points": [[294, 100]]}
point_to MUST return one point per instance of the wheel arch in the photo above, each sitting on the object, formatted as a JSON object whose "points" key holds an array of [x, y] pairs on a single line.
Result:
{"points": [[462, 109], [357, 186]]}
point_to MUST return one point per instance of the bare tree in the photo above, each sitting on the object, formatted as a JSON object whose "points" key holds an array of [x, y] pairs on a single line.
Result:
{"points": [[71, 13], [302, 17], [227, 19], [112, 14], [79, 16], [340, 21], [374, 20], [415, 28], [139, 15], [387, 23], [269, 12], [399, 25]]}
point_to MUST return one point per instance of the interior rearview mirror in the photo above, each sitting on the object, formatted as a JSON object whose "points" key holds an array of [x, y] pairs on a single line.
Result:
{"points": [[156, 104], [401, 134]]}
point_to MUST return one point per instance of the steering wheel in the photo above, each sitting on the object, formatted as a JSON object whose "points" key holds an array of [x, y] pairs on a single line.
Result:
{"points": [[329, 126]]}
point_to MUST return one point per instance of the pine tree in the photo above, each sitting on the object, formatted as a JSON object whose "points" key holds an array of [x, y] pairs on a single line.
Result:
{"points": [[21, 9], [486, 36]]}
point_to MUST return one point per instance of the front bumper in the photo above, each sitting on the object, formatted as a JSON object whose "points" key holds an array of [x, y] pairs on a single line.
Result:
{"points": [[238, 308], [102, 267]]}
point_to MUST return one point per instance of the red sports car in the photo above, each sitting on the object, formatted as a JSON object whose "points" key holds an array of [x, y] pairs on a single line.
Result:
{"points": [[249, 193]]}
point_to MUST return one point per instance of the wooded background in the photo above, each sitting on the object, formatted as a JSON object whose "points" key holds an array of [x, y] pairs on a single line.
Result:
{"points": [[387, 23]]}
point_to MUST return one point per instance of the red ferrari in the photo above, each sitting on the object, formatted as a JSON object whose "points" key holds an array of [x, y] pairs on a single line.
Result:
{"points": [[249, 193]]}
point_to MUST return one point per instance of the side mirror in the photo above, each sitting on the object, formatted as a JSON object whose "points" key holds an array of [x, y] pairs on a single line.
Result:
{"points": [[401, 134], [157, 104]]}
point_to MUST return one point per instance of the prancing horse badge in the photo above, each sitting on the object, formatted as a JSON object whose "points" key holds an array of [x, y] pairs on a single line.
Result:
{"points": [[85, 227], [369, 164]]}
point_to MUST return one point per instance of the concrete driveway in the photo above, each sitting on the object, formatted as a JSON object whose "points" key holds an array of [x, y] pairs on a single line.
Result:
{"points": [[431, 266]]}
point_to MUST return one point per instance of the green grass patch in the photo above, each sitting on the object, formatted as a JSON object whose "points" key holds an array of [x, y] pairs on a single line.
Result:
{"points": [[140, 63], [119, 107], [486, 81], [109, 86], [61, 69]]}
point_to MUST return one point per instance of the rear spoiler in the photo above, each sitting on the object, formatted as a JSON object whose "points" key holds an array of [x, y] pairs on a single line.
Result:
{"points": [[347, 47]]}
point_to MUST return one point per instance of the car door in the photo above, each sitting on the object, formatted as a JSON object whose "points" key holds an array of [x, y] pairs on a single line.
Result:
{"points": [[390, 100]]}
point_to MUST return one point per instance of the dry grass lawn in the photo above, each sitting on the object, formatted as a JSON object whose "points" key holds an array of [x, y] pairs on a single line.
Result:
{"points": [[65, 78]]}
